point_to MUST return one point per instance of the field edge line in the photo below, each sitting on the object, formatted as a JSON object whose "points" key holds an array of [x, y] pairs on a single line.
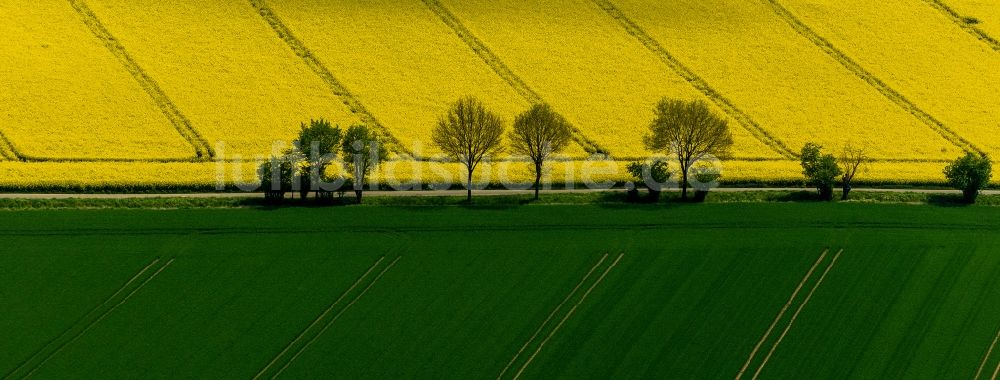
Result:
{"points": [[567, 316], [100, 318], [781, 313], [319, 318], [552, 315], [335, 317], [875, 82], [796, 315], [501, 69]]}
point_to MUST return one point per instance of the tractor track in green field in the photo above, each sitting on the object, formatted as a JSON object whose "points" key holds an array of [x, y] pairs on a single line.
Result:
{"points": [[336, 86], [88, 321], [960, 21], [502, 70], [875, 82], [322, 323], [795, 316], [203, 150], [986, 359], [552, 315], [699, 83], [781, 313], [566, 317]]}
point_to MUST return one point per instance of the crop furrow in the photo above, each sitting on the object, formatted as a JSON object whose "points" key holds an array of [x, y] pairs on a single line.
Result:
{"points": [[7, 149], [700, 84], [865, 75], [501, 69], [314, 64], [180, 122], [960, 21]]}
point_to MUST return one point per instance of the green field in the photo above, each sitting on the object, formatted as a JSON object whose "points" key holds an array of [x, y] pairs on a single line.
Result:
{"points": [[540, 291]]}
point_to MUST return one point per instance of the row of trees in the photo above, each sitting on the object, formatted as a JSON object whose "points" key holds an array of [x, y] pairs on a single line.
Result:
{"points": [[305, 166], [687, 131], [970, 173]]}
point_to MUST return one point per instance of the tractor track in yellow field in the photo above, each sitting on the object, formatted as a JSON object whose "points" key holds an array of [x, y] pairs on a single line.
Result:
{"points": [[317, 67], [203, 150], [727, 106], [502, 70], [960, 21], [875, 82]]}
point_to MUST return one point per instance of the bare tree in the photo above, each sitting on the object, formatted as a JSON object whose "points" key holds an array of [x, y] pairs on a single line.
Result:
{"points": [[538, 133], [690, 131], [851, 159], [468, 133]]}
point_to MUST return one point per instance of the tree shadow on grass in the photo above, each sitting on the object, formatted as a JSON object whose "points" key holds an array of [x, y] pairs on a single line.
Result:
{"points": [[947, 200]]}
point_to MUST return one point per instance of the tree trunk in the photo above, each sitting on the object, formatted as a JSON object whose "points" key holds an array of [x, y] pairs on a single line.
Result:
{"points": [[469, 187], [847, 190], [538, 178], [970, 195], [357, 195], [826, 192], [684, 183]]}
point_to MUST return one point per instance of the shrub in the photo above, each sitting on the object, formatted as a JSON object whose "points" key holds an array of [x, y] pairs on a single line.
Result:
{"points": [[705, 177], [970, 173], [821, 170], [651, 175]]}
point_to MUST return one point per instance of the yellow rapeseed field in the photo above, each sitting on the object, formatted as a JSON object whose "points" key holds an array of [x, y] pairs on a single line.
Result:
{"points": [[67, 93], [987, 12], [400, 60], [583, 63], [796, 91], [922, 54], [64, 95], [226, 70]]}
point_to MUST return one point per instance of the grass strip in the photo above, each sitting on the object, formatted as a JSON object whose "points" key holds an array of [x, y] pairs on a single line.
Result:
{"points": [[616, 198]]}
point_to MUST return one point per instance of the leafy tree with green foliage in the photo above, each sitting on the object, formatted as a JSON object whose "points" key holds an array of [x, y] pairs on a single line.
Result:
{"points": [[315, 148], [303, 166], [690, 131], [276, 177], [362, 152], [970, 173], [538, 133], [468, 133], [821, 170]]}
